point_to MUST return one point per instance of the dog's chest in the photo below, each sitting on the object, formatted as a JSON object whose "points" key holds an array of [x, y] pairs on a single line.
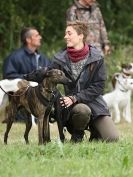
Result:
{"points": [[123, 98]]}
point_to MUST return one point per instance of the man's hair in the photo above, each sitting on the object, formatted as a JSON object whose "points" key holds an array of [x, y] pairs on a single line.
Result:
{"points": [[26, 32], [80, 27]]}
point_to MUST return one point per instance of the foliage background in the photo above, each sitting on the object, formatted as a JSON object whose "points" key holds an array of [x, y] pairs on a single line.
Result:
{"points": [[96, 159], [49, 18]]}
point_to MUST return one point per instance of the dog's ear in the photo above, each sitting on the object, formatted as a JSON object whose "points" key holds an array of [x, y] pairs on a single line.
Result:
{"points": [[52, 71], [49, 73], [123, 65], [126, 66], [116, 75], [114, 78]]}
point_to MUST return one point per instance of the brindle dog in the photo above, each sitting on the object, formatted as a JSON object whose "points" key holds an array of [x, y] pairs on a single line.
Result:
{"points": [[60, 113], [37, 101]]}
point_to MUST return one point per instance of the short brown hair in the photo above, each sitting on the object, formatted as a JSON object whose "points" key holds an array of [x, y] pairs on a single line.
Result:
{"points": [[26, 32], [80, 27]]}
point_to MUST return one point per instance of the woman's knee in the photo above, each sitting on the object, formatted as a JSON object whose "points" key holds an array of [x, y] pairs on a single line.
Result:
{"points": [[81, 109], [80, 116], [113, 138], [107, 129]]}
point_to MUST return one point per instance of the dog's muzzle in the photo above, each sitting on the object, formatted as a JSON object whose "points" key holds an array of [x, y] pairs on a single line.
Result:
{"points": [[65, 81]]}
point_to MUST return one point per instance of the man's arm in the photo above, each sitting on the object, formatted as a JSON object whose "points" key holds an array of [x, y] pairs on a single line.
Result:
{"points": [[10, 69]]}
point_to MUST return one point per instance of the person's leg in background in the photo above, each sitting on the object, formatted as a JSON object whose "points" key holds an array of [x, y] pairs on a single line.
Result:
{"points": [[103, 128]]}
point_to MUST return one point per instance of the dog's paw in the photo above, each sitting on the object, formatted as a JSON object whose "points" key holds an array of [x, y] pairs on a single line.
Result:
{"points": [[128, 121], [116, 121]]}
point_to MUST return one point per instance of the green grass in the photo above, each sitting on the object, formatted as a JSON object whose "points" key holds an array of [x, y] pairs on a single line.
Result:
{"points": [[70, 160], [85, 159]]}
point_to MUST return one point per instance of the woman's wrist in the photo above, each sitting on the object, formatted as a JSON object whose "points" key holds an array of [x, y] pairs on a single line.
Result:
{"points": [[73, 98]]}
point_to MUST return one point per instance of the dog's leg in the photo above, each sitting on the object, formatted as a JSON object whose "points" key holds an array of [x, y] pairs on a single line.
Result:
{"points": [[46, 130], [58, 117], [40, 130], [9, 125], [10, 116], [60, 126], [28, 127], [127, 111], [116, 113]]}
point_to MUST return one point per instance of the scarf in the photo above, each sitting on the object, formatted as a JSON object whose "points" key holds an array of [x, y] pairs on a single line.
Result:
{"points": [[77, 55]]}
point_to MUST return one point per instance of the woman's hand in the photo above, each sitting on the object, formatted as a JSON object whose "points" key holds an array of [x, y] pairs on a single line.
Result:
{"points": [[67, 101]]}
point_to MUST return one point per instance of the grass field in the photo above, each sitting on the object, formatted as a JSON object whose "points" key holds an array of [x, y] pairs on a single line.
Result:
{"points": [[85, 159]]}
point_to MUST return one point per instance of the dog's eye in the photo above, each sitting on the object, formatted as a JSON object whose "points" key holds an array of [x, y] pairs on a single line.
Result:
{"points": [[129, 67]]}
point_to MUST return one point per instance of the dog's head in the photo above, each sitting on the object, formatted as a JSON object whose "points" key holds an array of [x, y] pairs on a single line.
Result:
{"points": [[39, 75], [114, 79], [36, 76], [128, 83], [57, 76], [127, 71], [127, 68], [123, 82]]}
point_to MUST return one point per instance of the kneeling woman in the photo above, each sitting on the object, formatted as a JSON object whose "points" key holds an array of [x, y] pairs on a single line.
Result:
{"points": [[83, 100]]}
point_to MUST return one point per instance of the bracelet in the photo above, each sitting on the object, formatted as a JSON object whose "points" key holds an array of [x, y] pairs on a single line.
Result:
{"points": [[74, 100]]}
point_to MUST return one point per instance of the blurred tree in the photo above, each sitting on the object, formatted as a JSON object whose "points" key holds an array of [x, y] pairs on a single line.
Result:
{"points": [[118, 17], [49, 18]]}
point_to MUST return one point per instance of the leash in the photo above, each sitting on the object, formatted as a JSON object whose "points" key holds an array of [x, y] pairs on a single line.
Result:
{"points": [[51, 102], [9, 94], [43, 99]]}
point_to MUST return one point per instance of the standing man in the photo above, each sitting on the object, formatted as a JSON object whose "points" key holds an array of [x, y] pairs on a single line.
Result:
{"points": [[89, 12], [27, 58]]}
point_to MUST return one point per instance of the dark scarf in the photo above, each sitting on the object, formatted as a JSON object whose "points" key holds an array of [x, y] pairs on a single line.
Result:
{"points": [[77, 55]]}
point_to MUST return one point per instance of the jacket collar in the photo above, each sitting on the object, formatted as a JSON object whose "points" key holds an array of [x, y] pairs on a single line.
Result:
{"points": [[80, 6], [94, 55], [29, 51]]}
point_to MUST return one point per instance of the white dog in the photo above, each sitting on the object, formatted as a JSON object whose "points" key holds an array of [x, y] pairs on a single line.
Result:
{"points": [[127, 69], [119, 100], [11, 86], [126, 72]]}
